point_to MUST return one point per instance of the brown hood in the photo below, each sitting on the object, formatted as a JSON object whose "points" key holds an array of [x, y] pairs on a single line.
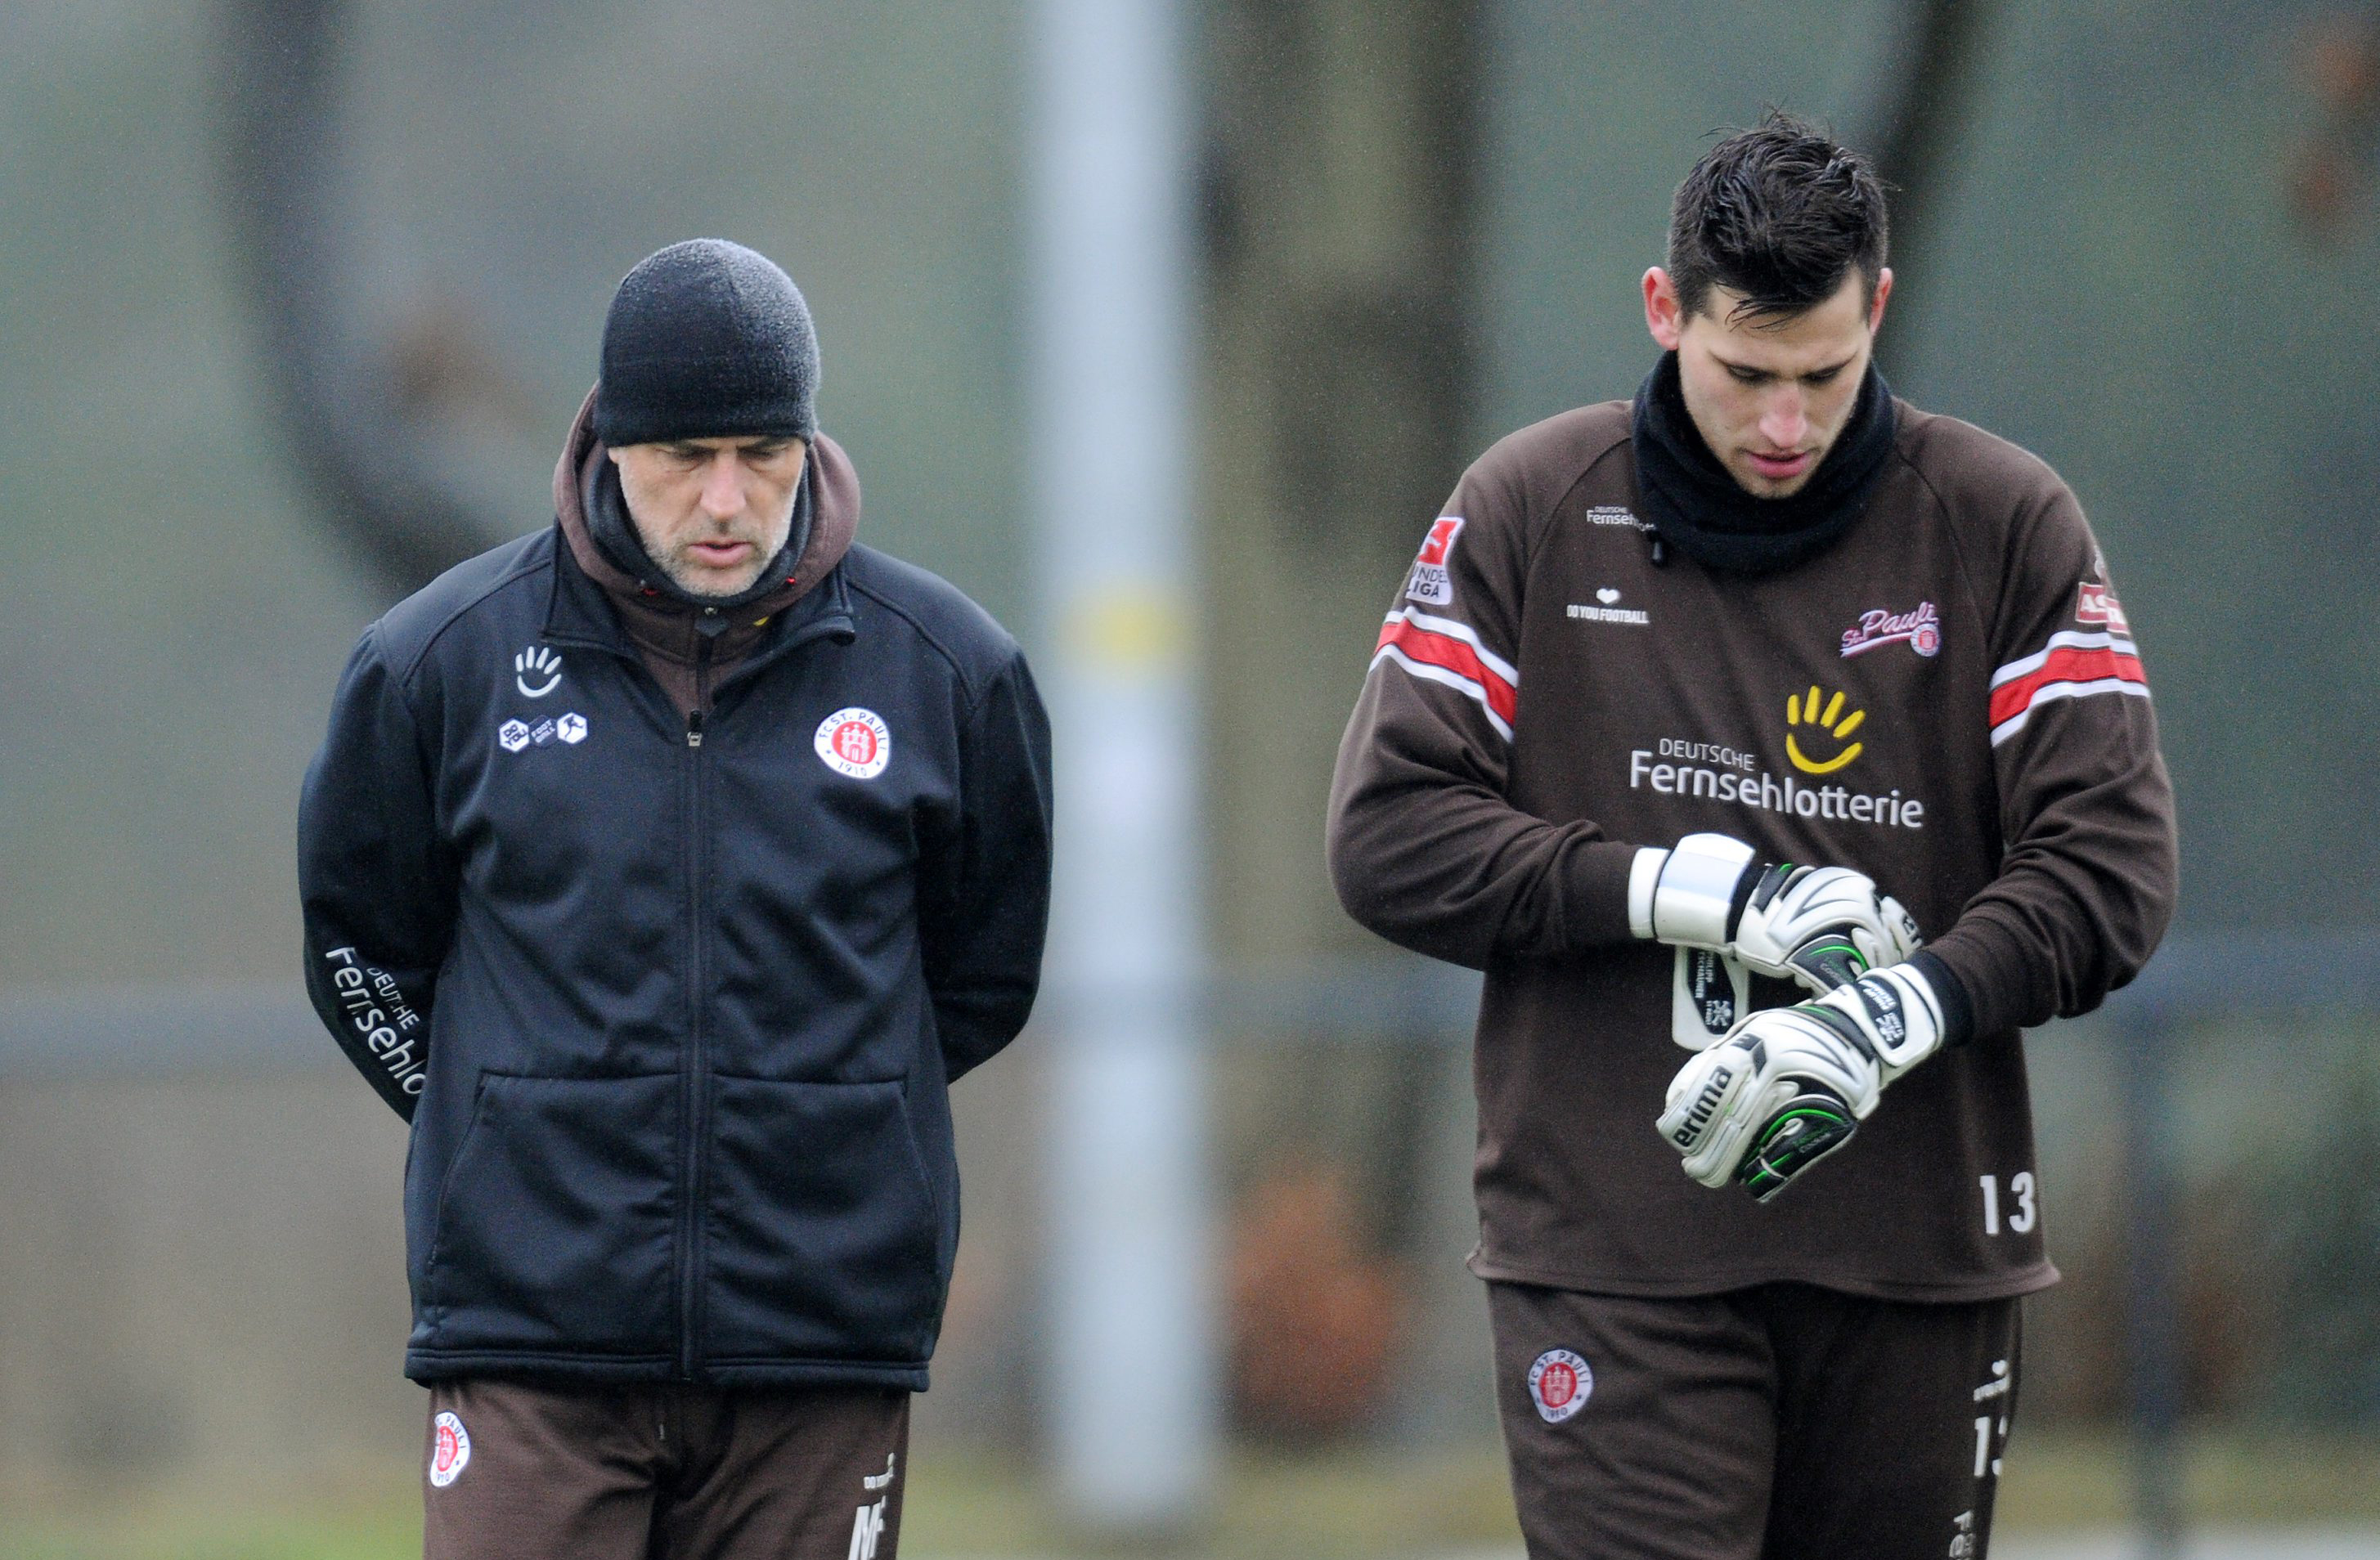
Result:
{"points": [[665, 629]]}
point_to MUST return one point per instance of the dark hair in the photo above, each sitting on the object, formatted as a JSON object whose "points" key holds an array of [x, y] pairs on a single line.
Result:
{"points": [[1779, 213]]}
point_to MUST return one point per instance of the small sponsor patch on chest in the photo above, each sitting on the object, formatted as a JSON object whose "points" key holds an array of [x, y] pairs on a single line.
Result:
{"points": [[855, 742], [515, 736], [537, 671], [1607, 608], [1919, 628]]}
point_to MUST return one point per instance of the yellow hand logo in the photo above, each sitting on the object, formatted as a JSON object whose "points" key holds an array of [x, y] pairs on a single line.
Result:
{"points": [[1805, 712]]}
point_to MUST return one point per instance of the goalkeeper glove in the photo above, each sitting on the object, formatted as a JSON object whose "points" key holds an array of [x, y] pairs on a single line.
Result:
{"points": [[1787, 1086], [1820, 926]]}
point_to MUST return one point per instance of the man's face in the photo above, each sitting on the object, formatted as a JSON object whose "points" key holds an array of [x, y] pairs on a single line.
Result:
{"points": [[712, 512], [1770, 393]]}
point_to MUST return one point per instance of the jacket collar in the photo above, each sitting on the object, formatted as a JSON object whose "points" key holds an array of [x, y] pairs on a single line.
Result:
{"points": [[595, 601], [582, 611]]}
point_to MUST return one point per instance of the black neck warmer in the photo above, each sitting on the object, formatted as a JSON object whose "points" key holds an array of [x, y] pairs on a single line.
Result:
{"points": [[615, 533], [1699, 509]]}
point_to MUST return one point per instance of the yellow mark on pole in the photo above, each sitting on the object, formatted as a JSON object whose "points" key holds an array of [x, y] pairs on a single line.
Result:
{"points": [[1127, 629]]}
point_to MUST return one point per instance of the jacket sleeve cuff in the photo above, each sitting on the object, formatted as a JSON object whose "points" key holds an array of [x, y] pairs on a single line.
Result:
{"points": [[1594, 894], [1991, 972], [1950, 993]]}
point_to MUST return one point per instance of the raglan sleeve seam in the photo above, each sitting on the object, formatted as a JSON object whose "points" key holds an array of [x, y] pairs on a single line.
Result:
{"points": [[1425, 846], [2085, 881]]}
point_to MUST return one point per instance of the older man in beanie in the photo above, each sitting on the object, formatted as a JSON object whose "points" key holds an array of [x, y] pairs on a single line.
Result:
{"points": [[662, 868]]}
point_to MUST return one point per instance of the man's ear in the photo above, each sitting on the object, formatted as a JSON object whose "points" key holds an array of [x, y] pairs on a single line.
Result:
{"points": [[1662, 316], [1882, 291], [612, 452]]}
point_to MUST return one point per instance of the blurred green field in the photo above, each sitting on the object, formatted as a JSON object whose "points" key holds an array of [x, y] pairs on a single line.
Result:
{"points": [[1343, 1504]]}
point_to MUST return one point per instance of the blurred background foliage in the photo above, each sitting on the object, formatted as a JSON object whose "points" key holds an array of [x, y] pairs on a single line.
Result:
{"points": [[2148, 253]]}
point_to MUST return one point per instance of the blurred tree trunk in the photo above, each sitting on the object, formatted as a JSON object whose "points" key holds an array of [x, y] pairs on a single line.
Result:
{"points": [[2341, 71], [354, 427], [1338, 223], [1930, 103], [1337, 227]]}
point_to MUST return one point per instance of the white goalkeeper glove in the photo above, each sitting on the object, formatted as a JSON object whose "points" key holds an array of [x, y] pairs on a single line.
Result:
{"points": [[1788, 1085], [1820, 926]]}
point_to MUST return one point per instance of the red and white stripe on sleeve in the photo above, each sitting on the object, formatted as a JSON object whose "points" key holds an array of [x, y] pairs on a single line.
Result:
{"points": [[2073, 666], [1439, 649]]}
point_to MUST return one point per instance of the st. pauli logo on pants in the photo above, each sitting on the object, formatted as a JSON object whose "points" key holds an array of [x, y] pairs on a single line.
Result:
{"points": [[1559, 1384], [450, 1449]]}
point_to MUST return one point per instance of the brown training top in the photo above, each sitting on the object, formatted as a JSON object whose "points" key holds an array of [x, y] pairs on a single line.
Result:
{"points": [[1948, 698]]}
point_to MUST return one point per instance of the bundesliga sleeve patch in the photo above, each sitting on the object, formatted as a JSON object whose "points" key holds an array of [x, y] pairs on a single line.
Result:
{"points": [[1560, 1384], [1430, 582]]}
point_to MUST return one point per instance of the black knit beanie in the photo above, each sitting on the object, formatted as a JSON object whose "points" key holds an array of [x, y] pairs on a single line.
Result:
{"points": [[706, 340]]}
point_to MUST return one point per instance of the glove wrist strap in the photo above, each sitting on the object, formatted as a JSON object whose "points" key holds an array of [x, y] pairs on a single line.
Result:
{"points": [[1900, 1013], [1643, 873], [1921, 1033], [1698, 892]]}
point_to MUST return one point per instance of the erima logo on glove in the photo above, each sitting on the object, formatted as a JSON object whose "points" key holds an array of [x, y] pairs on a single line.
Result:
{"points": [[1699, 1114]]}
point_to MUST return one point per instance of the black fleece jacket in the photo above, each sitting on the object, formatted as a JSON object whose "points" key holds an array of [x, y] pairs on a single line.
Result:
{"points": [[673, 999]]}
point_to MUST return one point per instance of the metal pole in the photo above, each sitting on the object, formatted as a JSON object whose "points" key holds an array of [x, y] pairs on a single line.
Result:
{"points": [[1131, 1373], [2154, 1298]]}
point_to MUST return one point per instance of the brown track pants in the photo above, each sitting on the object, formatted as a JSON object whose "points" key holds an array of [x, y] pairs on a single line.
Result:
{"points": [[1780, 1423], [546, 1471]]}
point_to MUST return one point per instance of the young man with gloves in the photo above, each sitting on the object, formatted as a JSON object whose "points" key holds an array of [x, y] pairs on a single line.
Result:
{"points": [[1771, 745], [662, 868]]}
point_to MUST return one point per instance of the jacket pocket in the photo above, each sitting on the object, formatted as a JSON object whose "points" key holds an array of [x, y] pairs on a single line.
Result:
{"points": [[821, 1237], [555, 1218]]}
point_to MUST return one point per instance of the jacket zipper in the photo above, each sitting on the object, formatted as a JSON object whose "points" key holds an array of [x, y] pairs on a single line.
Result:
{"points": [[696, 1096]]}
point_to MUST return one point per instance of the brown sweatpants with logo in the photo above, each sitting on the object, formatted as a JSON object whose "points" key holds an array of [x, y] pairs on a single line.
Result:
{"points": [[561, 1471], [1780, 1422]]}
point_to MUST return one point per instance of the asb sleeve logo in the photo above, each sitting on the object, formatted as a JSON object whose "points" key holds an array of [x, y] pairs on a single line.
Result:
{"points": [[1429, 581], [2095, 604], [855, 743]]}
